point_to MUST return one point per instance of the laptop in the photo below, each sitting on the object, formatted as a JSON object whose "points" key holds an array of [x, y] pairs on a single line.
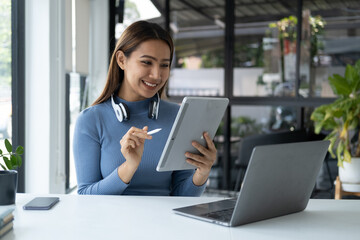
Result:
{"points": [[279, 181]]}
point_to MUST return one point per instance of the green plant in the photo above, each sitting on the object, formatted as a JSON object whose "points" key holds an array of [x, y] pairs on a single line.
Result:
{"points": [[317, 25], [287, 31], [342, 117], [11, 159], [243, 126]]}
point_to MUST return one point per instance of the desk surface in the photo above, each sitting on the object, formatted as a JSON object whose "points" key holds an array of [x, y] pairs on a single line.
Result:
{"points": [[138, 217]]}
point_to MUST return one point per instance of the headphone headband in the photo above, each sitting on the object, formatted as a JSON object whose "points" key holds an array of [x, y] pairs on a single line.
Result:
{"points": [[123, 114]]}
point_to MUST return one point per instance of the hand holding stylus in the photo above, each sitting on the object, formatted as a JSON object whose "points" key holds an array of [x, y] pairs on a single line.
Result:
{"points": [[154, 131], [132, 148]]}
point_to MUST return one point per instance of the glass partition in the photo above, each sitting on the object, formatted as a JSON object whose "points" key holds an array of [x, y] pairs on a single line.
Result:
{"points": [[335, 45], [198, 66], [266, 45], [264, 49]]}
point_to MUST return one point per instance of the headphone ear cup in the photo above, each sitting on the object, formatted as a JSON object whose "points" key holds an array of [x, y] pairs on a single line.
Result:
{"points": [[118, 113], [153, 109], [151, 114], [156, 110], [121, 110], [125, 111]]}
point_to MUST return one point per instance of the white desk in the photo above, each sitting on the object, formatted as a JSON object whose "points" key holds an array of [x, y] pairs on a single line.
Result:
{"points": [[132, 217]]}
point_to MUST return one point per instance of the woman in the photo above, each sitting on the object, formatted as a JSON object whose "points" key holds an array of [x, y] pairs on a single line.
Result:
{"points": [[128, 107]]}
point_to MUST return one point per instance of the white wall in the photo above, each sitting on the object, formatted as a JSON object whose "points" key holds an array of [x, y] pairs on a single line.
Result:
{"points": [[209, 81], [190, 81], [212, 81]]}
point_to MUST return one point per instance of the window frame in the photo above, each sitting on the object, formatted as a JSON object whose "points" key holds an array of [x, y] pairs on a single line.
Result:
{"points": [[18, 82]]}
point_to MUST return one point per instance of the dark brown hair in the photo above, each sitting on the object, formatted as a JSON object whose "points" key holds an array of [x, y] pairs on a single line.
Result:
{"points": [[132, 37]]}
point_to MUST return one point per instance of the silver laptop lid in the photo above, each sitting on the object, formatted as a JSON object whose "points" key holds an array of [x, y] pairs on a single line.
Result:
{"points": [[279, 180]]}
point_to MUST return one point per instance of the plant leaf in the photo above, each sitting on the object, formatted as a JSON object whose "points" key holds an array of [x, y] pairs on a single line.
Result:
{"points": [[19, 160], [357, 65], [339, 85], [339, 150], [8, 146], [19, 150], [318, 127], [347, 156], [340, 163], [332, 137], [0, 152], [349, 74], [354, 123], [13, 160], [3, 167], [8, 163], [352, 76], [272, 25]]}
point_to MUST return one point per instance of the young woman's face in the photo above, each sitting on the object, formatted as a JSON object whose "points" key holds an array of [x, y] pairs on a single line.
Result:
{"points": [[146, 70]]}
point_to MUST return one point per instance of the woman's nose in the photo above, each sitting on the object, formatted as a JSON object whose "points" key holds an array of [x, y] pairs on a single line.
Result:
{"points": [[155, 72]]}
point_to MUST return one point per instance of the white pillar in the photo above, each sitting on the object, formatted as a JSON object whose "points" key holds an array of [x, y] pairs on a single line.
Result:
{"points": [[98, 47], [45, 96]]}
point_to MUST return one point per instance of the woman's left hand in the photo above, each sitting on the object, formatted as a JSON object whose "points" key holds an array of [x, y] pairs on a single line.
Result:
{"points": [[203, 161]]}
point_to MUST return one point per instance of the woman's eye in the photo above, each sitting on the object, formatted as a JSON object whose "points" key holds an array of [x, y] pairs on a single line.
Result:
{"points": [[165, 65], [146, 62]]}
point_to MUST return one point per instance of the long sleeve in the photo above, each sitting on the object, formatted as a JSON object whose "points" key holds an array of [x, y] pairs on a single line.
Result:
{"points": [[183, 184], [87, 152]]}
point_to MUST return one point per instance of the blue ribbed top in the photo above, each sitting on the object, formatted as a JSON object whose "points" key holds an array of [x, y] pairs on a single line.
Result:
{"points": [[97, 152]]}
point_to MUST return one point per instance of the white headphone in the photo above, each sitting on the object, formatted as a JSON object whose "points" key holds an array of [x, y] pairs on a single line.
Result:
{"points": [[122, 111]]}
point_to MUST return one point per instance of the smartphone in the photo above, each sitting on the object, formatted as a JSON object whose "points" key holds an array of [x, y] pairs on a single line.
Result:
{"points": [[41, 203]]}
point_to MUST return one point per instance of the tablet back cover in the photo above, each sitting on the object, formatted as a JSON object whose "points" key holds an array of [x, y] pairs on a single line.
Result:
{"points": [[196, 116]]}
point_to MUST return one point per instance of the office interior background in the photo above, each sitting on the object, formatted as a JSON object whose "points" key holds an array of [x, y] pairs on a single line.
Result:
{"points": [[54, 58]]}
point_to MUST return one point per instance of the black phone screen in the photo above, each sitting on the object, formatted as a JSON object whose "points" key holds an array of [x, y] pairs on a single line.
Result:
{"points": [[41, 203]]}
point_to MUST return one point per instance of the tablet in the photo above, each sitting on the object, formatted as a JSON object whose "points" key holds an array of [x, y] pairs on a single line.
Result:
{"points": [[196, 116]]}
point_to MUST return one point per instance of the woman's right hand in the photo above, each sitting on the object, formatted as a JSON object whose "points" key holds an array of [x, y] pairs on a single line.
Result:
{"points": [[132, 148], [132, 145]]}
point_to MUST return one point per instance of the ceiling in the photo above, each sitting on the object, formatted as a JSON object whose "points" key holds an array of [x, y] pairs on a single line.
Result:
{"points": [[187, 13], [200, 24]]}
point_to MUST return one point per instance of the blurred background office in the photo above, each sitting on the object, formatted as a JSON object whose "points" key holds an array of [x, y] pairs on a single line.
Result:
{"points": [[271, 58]]}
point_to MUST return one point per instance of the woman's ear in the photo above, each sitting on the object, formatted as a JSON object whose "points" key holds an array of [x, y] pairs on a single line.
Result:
{"points": [[120, 59]]}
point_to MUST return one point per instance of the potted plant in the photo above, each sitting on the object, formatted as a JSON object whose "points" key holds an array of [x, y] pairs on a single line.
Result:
{"points": [[312, 30], [342, 119], [8, 176]]}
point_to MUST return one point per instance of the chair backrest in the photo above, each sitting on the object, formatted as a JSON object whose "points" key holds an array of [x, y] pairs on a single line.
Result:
{"points": [[248, 143]]}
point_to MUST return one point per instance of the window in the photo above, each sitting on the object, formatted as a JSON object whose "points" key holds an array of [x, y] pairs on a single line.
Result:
{"points": [[134, 11], [5, 71]]}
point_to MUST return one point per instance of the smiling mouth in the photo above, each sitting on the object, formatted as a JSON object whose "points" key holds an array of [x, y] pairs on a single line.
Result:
{"points": [[149, 84]]}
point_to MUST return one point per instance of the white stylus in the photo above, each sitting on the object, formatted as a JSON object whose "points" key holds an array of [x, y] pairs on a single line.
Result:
{"points": [[154, 131]]}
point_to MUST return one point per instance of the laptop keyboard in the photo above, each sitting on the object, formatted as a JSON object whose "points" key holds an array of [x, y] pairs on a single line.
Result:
{"points": [[222, 215]]}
